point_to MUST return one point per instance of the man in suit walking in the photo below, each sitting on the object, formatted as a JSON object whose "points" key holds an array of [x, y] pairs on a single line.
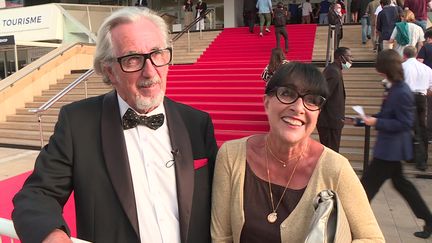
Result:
{"points": [[332, 115], [140, 165]]}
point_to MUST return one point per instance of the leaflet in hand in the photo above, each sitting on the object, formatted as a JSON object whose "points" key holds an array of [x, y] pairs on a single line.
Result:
{"points": [[359, 110]]}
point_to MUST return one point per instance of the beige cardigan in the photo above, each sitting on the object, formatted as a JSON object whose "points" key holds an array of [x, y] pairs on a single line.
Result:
{"points": [[332, 171]]}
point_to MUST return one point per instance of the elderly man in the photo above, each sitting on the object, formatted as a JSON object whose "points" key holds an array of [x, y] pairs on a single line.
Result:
{"points": [[140, 165], [418, 76]]}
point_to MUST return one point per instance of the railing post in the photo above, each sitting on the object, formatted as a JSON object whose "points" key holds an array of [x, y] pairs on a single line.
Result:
{"points": [[366, 148], [188, 39], [85, 88], [40, 129]]}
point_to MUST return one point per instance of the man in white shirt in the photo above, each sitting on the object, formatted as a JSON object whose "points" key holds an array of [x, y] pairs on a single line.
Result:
{"points": [[140, 165], [418, 76], [306, 12]]}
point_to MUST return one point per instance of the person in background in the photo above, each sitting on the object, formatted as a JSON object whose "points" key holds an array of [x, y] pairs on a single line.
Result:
{"points": [[406, 33], [295, 12], [140, 165], [277, 58], [250, 13], [355, 8], [332, 115], [200, 7], [280, 15], [323, 12], [141, 3], [394, 140], [386, 22], [418, 77], [264, 184], [265, 11], [370, 11], [306, 12], [425, 56], [188, 9], [419, 8], [335, 18], [364, 20]]}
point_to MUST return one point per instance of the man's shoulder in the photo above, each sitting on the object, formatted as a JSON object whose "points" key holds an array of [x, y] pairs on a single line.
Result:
{"points": [[185, 109]]}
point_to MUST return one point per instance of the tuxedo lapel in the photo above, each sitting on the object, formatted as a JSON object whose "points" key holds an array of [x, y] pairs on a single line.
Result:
{"points": [[184, 168], [115, 154]]}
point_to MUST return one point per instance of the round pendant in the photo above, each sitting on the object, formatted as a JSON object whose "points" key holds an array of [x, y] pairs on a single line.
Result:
{"points": [[271, 218]]}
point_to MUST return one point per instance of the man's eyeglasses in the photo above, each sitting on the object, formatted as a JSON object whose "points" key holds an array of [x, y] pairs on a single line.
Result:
{"points": [[287, 96], [135, 62]]}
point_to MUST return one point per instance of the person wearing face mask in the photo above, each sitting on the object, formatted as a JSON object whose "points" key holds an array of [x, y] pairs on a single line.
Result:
{"points": [[335, 18], [393, 145], [332, 116]]}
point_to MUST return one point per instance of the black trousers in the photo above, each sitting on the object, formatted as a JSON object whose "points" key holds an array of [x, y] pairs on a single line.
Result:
{"points": [[330, 137], [420, 130], [379, 171], [429, 117], [281, 31]]}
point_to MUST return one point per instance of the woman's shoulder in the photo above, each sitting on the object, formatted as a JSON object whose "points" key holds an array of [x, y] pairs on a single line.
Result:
{"points": [[331, 161]]}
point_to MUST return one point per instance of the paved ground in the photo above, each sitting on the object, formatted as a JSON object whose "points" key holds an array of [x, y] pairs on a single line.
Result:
{"points": [[394, 216]]}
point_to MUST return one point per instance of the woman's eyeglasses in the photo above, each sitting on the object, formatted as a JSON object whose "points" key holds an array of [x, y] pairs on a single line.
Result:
{"points": [[287, 96]]}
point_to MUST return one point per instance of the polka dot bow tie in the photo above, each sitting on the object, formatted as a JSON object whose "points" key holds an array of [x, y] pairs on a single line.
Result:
{"points": [[131, 119]]}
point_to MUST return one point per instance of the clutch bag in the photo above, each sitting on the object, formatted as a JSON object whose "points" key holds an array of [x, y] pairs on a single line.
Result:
{"points": [[329, 223]]}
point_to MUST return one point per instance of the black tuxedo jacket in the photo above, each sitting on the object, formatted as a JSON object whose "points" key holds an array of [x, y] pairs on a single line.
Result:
{"points": [[87, 155]]}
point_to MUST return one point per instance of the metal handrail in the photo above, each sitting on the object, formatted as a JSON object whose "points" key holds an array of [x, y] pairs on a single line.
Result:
{"points": [[58, 96], [187, 29], [7, 229]]}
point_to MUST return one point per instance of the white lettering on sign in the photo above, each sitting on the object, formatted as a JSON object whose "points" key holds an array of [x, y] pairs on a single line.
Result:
{"points": [[22, 21], [3, 40]]}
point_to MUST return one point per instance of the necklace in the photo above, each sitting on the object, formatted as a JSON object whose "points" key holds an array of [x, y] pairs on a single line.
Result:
{"points": [[284, 164], [272, 217]]}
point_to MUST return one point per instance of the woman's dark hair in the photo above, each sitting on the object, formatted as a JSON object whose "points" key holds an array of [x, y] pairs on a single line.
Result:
{"points": [[306, 78], [389, 62], [276, 58]]}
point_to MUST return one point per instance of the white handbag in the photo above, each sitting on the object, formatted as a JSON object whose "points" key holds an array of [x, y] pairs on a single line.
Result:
{"points": [[329, 222]]}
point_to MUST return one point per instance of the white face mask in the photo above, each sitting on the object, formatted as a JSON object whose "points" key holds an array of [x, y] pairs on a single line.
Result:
{"points": [[386, 83], [346, 65]]}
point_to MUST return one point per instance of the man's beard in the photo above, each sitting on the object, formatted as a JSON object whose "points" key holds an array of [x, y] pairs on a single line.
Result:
{"points": [[148, 103]]}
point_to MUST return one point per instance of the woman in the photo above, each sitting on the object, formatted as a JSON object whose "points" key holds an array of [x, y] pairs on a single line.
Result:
{"points": [[277, 58], [394, 139], [264, 184], [188, 9], [407, 33]]}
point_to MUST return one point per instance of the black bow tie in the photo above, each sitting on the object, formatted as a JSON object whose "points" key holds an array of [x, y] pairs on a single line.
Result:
{"points": [[131, 119]]}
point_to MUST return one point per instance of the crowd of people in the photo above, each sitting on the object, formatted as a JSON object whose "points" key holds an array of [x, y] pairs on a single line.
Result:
{"points": [[145, 168]]}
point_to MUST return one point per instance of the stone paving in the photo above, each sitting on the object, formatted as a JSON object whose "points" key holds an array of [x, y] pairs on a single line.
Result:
{"points": [[393, 214]]}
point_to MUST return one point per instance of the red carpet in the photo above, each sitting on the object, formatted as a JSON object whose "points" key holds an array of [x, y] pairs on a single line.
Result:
{"points": [[225, 81], [11, 186]]}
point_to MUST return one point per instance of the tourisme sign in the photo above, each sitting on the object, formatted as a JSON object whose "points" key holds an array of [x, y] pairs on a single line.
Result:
{"points": [[34, 23]]}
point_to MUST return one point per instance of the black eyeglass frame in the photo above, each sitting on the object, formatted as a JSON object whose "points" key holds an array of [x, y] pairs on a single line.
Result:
{"points": [[275, 91], [146, 56]]}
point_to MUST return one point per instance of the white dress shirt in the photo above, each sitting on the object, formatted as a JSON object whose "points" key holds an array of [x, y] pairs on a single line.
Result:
{"points": [[153, 180], [418, 76]]}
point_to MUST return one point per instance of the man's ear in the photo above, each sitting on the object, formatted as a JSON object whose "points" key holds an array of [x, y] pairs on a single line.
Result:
{"points": [[109, 71]]}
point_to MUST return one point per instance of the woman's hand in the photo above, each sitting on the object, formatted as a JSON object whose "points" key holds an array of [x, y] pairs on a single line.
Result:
{"points": [[369, 120]]}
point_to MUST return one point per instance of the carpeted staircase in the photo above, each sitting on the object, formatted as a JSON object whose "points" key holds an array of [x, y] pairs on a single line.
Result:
{"points": [[226, 81]]}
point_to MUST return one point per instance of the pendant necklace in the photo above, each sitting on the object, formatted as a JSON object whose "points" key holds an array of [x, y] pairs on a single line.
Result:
{"points": [[284, 163], [272, 217]]}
